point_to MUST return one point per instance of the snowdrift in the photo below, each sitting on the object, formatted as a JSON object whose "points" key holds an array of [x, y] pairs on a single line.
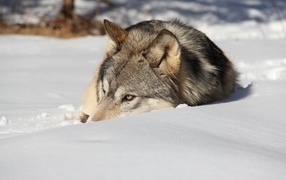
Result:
{"points": [[242, 137], [41, 82]]}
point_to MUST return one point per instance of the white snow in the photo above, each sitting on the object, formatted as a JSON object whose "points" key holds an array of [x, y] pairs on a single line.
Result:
{"points": [[3, 121], [243, 137], [67, 107]]}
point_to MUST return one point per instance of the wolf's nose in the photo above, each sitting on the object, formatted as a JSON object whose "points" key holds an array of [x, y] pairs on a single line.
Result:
{"points": [[83, 118]]}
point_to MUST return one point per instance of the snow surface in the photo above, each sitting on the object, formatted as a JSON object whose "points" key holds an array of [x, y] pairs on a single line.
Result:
{"points": [[219, 19], [242, 137]]}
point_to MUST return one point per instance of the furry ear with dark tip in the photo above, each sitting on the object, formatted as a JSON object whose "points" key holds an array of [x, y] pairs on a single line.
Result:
{"points": [[115, 32], [164, 52]]}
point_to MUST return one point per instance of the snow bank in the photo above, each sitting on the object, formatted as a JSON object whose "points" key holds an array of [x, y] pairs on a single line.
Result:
{"points": [[187, 143], [242, 137], [41, 82], [220, 19]]}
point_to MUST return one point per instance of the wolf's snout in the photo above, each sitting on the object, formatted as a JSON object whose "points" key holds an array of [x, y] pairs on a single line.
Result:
{"points": [[107, 109]]}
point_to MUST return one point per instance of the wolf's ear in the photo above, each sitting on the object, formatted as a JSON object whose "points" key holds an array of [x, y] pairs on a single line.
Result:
{"points": [[164, 52], [115, 32]]}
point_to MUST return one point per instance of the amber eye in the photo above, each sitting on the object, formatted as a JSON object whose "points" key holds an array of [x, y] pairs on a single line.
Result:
{"points": [[128, 97]]}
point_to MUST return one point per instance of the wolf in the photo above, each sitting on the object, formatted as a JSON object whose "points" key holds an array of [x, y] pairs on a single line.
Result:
{"points": [[153, 65]]}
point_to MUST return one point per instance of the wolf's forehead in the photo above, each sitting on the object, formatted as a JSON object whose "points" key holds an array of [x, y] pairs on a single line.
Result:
{"points": [[121, 66]]}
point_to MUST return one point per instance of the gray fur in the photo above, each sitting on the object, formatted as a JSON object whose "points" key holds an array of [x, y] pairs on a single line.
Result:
{"points": [[163, 60]]}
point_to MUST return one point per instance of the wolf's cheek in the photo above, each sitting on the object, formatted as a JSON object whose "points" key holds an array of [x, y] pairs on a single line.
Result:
{"points": [[128, 106], [140, 105]]}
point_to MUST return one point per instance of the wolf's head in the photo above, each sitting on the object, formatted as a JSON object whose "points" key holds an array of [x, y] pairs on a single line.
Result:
{"points": [[139, 72]]}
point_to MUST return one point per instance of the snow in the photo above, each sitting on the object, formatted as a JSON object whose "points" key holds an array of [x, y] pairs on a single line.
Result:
{"points": [[242, 137], [220, 19]]}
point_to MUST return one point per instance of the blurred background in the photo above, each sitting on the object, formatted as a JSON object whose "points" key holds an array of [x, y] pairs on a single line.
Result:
{"points": [[219, 19]]}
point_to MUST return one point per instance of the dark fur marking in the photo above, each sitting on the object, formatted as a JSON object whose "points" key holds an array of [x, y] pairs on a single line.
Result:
{"points": [[102, 70], [192, 60], [215, 57], [104, 66]]}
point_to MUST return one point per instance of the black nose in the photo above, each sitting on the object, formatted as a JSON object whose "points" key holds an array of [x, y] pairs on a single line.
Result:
{"points": [[84, 117]]}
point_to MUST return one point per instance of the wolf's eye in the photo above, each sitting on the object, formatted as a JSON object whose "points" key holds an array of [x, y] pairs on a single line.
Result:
{"points": [[128, 97]]}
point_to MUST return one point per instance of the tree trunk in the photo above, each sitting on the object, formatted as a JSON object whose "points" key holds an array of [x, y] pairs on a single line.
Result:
{"points": [[67, 10]]}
